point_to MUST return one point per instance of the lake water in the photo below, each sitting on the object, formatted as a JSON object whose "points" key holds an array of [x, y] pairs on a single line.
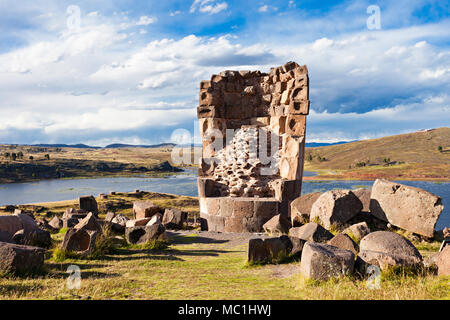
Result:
{"points": [[182, 184]]}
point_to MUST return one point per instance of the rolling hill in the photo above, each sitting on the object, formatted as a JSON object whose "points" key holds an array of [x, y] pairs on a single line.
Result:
{"points": [[417, 155]]}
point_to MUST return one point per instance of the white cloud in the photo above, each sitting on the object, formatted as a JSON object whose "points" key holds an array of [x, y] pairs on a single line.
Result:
{"points": [[208, 6], [263, 8], [145, 21]]}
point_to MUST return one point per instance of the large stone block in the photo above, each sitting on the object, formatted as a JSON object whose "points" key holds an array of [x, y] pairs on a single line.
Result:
{"points": [[322, 261], [88, 204], [409, 208], [144, 209], [301, 208], [20, 258], [296, 125], [336, 206]]}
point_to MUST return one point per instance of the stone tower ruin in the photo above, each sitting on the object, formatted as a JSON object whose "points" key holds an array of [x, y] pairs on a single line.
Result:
{"points": [[253, 128]]}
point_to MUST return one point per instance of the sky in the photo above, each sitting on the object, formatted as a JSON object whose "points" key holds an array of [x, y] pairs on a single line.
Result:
{"points": [[101, 72]]}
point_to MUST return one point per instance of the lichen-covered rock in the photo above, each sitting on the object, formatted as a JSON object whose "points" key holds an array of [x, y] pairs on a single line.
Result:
{"points": [[336, 206], [386, 249], [312, 232], [323, 261], [409, 208], [343, 241], [301, 208], [278, 224], [358, 230], [20, 258]]}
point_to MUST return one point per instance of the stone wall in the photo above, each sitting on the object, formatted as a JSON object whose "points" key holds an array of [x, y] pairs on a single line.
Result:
{"points": [[253, 129]]}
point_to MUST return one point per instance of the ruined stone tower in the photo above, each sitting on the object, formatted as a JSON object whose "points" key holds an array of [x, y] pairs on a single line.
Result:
{"points": [[253, 127]]}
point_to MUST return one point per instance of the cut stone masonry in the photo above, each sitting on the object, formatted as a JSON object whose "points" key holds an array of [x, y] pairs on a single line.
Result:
{"points": [[253, 129]]}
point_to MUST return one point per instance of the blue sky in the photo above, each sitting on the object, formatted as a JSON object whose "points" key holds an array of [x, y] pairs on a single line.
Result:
{"points": [[129, 71]]}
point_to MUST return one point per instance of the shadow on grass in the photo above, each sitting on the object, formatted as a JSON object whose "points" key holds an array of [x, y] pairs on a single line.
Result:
{"points": [[195, 252], [181, 239]]}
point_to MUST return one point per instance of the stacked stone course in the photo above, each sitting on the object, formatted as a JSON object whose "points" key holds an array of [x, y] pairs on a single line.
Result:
{"points": [[253, 129]]}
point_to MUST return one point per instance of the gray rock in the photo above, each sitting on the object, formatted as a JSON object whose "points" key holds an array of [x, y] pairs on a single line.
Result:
{"points": [[19, 258], [144, 209], [143, 234], [174, 218], [81, 240], [89, 223], [322, 261], [443, 262], [343, 241], [56, 223], [358, 230], [301, 208], [89, 204], [409, 208], [336, 206], [312, 232], [278, 224]]}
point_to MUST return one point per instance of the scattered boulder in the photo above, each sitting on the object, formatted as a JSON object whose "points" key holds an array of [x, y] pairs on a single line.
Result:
{"points": [[443, 262], [174, 218], [20, 258], [312, 232], [301, 208], [278, 224], [409, 208], [37, 237], [89, 223], [10, 224], [343, 241], [81, 241], [119, 223], [386, 249], [323, 261], [89, 204], [358, 230], [70, 222], [336, 206], [72, 213], [144, 209], [143, 234], [268, 250], [137, 222], [364, 196], [157, 218]]}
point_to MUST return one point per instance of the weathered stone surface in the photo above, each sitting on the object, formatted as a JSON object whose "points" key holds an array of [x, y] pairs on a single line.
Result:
{"points": [[174, 218], [343, 241], [268, 250], [279, 224], [37, 237], [137, 222], [312, 232], [20, 258], [143, 234], [144, 209], [31, 234], [5, 237], [336, 206], [10, 224], [157, 218], [322, 261], [89, 223], [79, 240], [301, 208], [88, 204], [110, 216], [409, 208], [446, 233], [358, 230], [389, 249], [70, 222], [71, 213], [443, 262], [364, 196], [118, 223]]}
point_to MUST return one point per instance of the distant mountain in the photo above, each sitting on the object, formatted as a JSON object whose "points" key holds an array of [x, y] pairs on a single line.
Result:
{"points": [[120, 145], [80, 146], [324, 144]]}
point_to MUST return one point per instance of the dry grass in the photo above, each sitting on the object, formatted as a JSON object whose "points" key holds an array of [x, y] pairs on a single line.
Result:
{"points": [[416, 154]]}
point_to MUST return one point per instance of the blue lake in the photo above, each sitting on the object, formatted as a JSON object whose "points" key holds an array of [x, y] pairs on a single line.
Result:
{"points": [[182, 184]]}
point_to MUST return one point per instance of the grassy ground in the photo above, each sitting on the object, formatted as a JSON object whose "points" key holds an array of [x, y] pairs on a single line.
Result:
{"points": [[191, 269]]}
